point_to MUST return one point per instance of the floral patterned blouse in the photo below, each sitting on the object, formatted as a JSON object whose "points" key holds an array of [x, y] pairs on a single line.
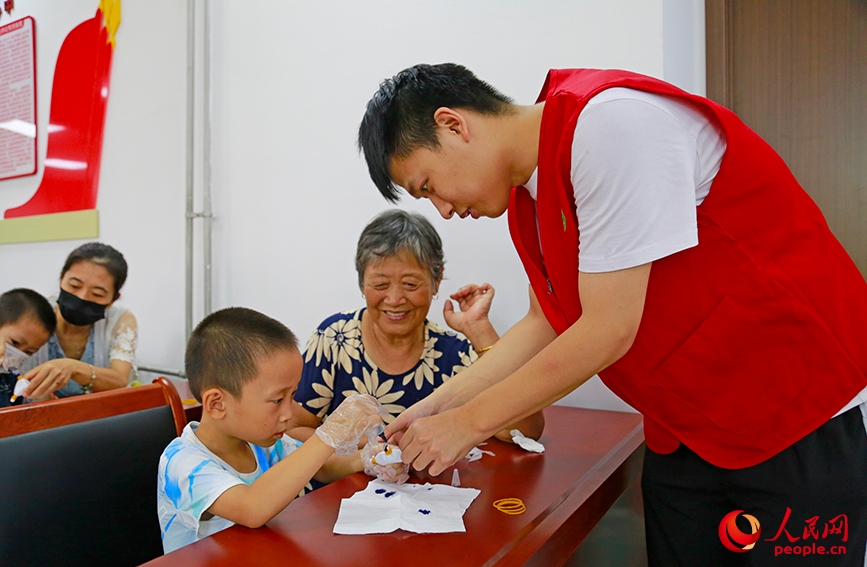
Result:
{"points": [[336, 366]]}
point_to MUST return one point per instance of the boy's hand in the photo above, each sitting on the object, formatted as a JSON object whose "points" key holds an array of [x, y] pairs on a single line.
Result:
{"points": [[397, 472], [353, 418]]}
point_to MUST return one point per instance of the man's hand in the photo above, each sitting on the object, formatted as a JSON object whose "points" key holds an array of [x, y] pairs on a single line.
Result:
{"points": [[439, 441], [395, 430]]}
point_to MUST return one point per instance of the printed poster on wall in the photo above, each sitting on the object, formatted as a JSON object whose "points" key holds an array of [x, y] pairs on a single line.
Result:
{"points": [[17, 99], [64, 205]]}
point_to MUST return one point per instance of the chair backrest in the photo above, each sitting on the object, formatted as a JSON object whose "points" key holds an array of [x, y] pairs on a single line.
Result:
{"points": [[55, 413], [85, 493]]}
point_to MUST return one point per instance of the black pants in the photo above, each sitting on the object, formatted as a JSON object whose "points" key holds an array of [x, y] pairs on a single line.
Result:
{"points": [[821, 480]]}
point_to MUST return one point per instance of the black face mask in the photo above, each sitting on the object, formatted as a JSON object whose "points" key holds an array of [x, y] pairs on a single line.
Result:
{"points": [[79, 311]]}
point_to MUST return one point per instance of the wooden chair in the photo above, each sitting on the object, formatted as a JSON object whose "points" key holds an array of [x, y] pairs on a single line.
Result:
{"points": [[78, 476], [55, 413]]}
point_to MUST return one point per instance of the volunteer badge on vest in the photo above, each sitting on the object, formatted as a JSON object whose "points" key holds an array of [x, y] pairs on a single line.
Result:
{"points": [[732, 537]]}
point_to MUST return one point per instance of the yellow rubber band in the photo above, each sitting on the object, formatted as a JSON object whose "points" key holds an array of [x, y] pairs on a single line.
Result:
{"points": [[510, 506]]}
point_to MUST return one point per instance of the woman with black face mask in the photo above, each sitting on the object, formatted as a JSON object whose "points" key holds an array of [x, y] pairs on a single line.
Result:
{"points": [[93, 348]]}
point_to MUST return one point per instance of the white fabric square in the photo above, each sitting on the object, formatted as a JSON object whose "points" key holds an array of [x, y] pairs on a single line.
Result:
{"points": [[383, 507], [367, 516]]}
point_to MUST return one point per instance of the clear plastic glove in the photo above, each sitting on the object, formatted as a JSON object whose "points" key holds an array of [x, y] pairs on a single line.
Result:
{"points": [[389, 473], [353, 418]]}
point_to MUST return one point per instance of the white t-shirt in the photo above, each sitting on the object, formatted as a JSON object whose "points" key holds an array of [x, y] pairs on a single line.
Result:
{"points": [[641, 164], [190, 480]]}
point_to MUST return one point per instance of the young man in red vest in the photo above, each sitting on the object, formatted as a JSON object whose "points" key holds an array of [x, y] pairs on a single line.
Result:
{"points": [[670, 250]]}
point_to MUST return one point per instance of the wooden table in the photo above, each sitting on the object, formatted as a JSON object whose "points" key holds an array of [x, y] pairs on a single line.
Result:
{"points": [[590, 458]]}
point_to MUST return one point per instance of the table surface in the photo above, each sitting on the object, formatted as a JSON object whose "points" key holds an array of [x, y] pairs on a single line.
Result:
{"points": [[590, 457]]}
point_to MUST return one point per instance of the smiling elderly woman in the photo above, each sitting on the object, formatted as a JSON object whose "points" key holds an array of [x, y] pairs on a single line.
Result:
{"points": [[389, 349]]}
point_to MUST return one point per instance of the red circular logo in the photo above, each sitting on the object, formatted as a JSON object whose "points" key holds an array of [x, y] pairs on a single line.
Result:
{"points": [[731, 536]]}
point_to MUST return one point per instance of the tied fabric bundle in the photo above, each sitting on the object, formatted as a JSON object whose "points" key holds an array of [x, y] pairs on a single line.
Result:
{"points": [[383, 461], [385, 507]]}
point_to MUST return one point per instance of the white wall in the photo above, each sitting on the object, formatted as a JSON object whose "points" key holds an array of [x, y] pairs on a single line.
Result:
{"points": [[141, 190], [289, 85], [683, 45]]}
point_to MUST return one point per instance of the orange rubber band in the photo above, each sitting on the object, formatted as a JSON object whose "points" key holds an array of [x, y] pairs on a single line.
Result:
{"points": [[510, 506]]}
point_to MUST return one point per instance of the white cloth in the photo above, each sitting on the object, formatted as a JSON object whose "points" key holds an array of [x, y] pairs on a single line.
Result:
{"points": [[191, 478], [475, 454], [526, 443], [384, 507]]}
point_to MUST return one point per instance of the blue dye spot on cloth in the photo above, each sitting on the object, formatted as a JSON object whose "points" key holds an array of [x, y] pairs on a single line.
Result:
{"points": [[425, 512], [380, 490], [387, 494]]}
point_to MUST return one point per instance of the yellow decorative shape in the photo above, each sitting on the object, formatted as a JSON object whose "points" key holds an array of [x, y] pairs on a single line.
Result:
{"points": [[55, 226], [111, 13]]}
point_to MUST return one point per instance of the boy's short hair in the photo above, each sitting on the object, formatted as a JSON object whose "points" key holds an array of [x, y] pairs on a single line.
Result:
{"points": [[21, 302], [225, 349], [400, 117]]}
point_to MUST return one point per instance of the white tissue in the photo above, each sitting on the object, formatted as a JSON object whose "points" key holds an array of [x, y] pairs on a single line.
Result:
{"points": [[475, 454], [526, 443], [385, 507]]}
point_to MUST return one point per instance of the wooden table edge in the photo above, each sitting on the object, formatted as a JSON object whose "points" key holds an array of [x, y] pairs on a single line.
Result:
{"points": [[552, 537]]}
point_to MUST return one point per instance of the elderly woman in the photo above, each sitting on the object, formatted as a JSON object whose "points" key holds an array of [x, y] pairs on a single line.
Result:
{"points": [[93, 348], [389, 349]]}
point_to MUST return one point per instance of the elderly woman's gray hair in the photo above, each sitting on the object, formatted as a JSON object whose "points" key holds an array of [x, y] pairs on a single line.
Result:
{"points": [[394, 231]]}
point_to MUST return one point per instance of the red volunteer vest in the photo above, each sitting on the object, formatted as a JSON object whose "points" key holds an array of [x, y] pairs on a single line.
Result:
{"points": [[750, 340]]}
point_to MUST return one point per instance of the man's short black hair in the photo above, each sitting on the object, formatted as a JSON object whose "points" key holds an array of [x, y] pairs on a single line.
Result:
{"points": [[400, 116], [16, 304], [225, 349]]}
